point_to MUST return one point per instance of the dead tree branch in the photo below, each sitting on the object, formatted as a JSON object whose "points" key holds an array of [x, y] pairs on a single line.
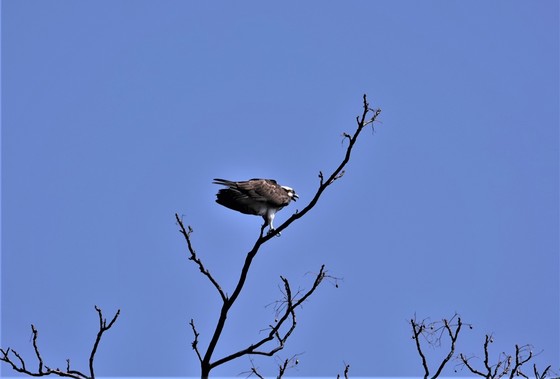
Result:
{"points": [[367, 117], [195, 341], [432, 333], [539, 375], [290, 303], [507, 365], [193, 257], [346, 371], [44, 370]]}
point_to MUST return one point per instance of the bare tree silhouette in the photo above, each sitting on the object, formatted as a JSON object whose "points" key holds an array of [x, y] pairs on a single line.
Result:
{"points": [[424, 332], [44, 370], [432, 333], [275, 340], [507, 365]]}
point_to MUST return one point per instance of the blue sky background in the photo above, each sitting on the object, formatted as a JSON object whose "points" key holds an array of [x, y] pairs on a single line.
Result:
{"points": [[117, 114]]}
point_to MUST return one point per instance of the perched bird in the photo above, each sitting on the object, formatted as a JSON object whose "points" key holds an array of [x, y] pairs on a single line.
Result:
{"points": [[260, 197]]}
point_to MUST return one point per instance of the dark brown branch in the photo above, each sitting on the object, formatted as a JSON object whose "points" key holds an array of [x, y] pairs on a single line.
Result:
{"points": [[369, 116], [37, 354], [453, 337], [44, 370], [520, 361], [504, 365], [195, 341], [537, 374], [195, 259], [417, 330], [286, 364], [288, 313], [103, 327], [346, 370], [433, 334], [282, 368]]}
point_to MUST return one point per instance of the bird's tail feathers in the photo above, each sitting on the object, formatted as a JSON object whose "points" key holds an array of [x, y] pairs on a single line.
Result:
{"points": [[223, 182]]}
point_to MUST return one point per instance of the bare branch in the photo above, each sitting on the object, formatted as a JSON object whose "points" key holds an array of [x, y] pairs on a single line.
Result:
{"points": [[433, 333], [544, 373], [282, 368], [453, 334], [346, 370], [195, 341], [291, 303], [103, 327], [369, 116], [44, 370], [37, 354], [254, 371], [520, 360], [523, 354], [417, 330], [195, 259]]}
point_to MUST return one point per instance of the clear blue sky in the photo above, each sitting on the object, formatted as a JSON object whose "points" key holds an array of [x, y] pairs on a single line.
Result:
{"points": [[117, 114]]}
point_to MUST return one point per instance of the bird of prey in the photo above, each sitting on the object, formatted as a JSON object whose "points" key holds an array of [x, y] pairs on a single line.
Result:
{"points": [[260, 197]]}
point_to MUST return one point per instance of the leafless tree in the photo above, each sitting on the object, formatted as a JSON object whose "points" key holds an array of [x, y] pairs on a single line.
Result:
{"points": [[276, 337], [432, 333], [17, 362], [277, 332], [507, 365]]}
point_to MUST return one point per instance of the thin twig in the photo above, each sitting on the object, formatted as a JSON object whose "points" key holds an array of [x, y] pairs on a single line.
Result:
{"points": [[195, 259], [195, 341]]}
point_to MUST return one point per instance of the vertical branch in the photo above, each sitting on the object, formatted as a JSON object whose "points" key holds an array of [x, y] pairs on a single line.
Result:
{"points": [[453, 337], [417, 330], [433, 333], [37, 354], [346, 370], [103, 327], [195, 341], [537, 374]]}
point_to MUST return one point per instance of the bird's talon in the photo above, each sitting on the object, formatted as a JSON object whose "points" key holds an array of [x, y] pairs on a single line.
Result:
{"points": [[270, 231]]}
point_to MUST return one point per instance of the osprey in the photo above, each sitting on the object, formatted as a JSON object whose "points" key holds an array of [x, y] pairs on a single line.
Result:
{"points": [[260, 197]]}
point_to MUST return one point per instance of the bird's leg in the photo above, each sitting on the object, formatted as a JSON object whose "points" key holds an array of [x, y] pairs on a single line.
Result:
{"points": [[268, 220]]}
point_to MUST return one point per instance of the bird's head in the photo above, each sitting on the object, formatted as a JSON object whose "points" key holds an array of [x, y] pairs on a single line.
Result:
{"points": [[291, 193]]}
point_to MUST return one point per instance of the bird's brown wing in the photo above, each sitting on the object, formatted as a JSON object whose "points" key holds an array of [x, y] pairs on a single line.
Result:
{"points": [[265, 190]]}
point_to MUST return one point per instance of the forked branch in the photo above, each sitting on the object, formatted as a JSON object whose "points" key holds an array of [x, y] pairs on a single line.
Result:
{"points": [[432, 333], [507, 365], [367, 117], [44, 370], [286, 313]]}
